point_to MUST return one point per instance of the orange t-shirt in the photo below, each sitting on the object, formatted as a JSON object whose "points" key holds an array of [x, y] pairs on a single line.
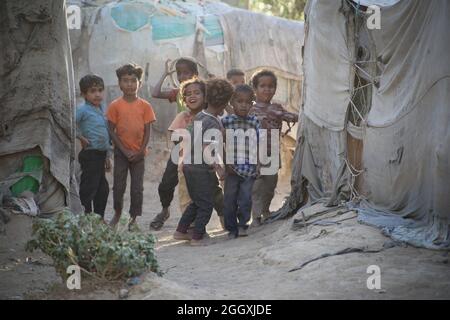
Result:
{"points": [[130, 120]]}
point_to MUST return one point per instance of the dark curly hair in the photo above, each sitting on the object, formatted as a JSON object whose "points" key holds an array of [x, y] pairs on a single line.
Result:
{"points": [[218, 92], [130, 69], [244, 88], [263, 73], [90, 81], [191, 64], [201, 83], [235, 72]]}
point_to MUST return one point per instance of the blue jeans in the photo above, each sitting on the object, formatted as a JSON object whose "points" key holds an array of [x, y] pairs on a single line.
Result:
{"points": [[237, 202]]}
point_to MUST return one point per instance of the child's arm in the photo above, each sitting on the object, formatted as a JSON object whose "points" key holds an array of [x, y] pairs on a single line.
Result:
{"points": [[84, 142], [78, 118], [156, 92], [219, 167], [285, 115], [108, 164], [115, 138], [141, 154]]}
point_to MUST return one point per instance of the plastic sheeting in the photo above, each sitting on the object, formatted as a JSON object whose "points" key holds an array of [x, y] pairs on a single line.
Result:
{"points": [[263, 41], [211, 32], [405, 134], [407, 142], [327, 65], [37, 97]]}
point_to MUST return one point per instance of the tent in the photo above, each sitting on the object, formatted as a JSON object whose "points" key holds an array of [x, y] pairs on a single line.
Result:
{"points": [[37, 104], [220, 37], [375, 126]]}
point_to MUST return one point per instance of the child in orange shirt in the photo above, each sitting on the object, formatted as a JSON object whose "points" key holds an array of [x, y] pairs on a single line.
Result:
{"points": [[129, 120]]}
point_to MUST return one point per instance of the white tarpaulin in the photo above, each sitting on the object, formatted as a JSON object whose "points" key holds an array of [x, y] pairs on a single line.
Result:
{"points": [[404, 120], [327, 66], [407, 142], [149, 32]]}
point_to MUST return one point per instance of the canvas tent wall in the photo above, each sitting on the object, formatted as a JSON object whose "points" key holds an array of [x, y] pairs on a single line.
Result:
{"points": [[37, 100], [375, 130], [218, 36]]}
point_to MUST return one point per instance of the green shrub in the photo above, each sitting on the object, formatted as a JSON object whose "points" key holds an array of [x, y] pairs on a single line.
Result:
{"points": [[98, 250]]}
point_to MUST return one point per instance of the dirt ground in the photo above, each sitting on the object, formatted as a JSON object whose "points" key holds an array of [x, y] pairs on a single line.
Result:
{"points": [[256, 267]]}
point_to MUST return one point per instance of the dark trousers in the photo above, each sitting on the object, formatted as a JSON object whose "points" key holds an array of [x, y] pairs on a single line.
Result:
{"points": [[166, 188], [201, 185], [137, 170], [94, 188], [237, 202], [169, 182]]}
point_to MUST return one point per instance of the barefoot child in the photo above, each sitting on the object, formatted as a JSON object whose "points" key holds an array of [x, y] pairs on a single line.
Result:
{"points": [[130, 119], [194, 95], [271, 117], [199, 171], [94, 158], [242, 173]]}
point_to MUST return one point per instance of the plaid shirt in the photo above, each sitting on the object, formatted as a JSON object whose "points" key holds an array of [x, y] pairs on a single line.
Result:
{"points": [[247, 152]]}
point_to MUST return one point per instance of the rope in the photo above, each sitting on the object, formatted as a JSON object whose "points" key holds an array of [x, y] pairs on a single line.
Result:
{"points": [[357, 111], [354, 173]]}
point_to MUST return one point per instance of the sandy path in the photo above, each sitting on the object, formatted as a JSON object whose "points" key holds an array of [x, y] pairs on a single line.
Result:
{"points": [[255, 267]]}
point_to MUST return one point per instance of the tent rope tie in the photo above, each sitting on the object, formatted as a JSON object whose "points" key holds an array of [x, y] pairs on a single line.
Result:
{"points": [[363, 120], [354, 173], [372, 79]]}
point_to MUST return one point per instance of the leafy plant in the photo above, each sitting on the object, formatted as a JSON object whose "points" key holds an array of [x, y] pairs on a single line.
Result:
{"points": [[98, 250]]}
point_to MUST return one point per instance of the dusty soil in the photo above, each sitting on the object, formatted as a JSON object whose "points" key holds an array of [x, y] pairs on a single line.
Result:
{"points": [[256, 267]]}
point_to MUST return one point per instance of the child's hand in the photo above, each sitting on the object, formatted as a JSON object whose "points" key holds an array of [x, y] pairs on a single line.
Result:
{"points": [[108, 165], [136, 156], [167, 71], [84, 142], [128, 153], [258, 171], [221, 173]]}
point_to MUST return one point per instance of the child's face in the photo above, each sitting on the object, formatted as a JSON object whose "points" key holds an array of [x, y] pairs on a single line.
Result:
{"points": [[94, 95], [194, 97], [242, 103], [184, 73], [265, 90], [237, 80], [129, 84]]}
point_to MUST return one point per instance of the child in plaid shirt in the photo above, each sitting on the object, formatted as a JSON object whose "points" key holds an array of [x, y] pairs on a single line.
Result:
{"points": [[241, 174]]}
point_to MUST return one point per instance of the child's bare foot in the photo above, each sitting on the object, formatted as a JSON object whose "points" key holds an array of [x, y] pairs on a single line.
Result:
{"points": [[182, 236], [222, 222], [114, 221], [256, 222], [243, 232], [159, 220], [132, 224]]}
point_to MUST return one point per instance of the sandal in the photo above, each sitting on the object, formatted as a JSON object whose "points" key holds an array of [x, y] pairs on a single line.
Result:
{"points": [[159, 220]]}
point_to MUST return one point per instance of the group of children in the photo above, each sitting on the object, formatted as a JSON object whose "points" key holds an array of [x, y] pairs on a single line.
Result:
{"points": [[215, 104]]}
